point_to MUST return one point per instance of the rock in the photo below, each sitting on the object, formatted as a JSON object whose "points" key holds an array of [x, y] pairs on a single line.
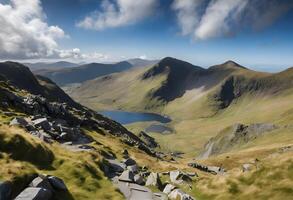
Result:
{"points": [[133, 169], [127, 176], [41, 182], [179, 194], [150, 141], [139, 179], [5, 190], [18, 121], [129, 162], [42, 135], [174, 175], [211, 169], [125, 154], [116, 166], [247, 167], [168, 188], [42, 123], [57, 183], [33, 193], [154, 180]]}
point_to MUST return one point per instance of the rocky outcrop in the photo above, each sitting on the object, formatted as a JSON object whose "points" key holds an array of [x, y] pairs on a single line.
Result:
{"points": [[210, 169], [42, 188], [150, 141], [235, 135]]}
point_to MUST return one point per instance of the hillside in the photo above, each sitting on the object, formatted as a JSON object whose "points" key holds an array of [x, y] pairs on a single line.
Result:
{"points": [[50, 65], [199, 101], [83, 73], [53, 148]]}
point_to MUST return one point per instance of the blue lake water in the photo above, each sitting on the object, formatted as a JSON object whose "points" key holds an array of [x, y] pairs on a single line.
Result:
{"points": [[130, 117]]}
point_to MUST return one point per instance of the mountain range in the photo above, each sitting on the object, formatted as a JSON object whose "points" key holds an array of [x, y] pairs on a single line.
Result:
{"points": [[230, 132]]}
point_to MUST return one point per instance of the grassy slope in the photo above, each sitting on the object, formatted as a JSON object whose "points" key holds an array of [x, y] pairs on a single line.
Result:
{"points": [[195, 115]]}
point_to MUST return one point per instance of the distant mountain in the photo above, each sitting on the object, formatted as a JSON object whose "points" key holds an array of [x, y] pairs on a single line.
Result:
{"points": [[54, 65], [84, 72], [171, 79], [21, 77], [138, 62]]}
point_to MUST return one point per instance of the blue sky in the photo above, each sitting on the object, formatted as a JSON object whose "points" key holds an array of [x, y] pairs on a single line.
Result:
{"points": [[255, 33]]}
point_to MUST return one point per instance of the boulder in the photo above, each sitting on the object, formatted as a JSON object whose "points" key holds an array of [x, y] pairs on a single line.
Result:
{"points": [[18, 121], [33, 193], [133, 169], [174, 175], [41, 182], [5, 190], [127, 176], [42, 123], [169, 188], [57, 183], [154, 180], [179, 194], [116, 166], [129, 162], [139, 179], [247, 167]]}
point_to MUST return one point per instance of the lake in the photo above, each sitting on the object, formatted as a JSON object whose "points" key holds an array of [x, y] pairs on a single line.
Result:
{"points": [[124, 117]]}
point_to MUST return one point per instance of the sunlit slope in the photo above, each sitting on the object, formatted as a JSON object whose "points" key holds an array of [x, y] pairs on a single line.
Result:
{"points": [[200, 101]]}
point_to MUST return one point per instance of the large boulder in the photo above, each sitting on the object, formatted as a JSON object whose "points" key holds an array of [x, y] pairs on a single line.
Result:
{"points": [[116, 166], [127, 176], [174, 175], [57, 183], [19, 121], [179, 194], [129, 162], [5, 190], [34, 193], [154, 180], [42, 123], [139, 179], [169, 188], [133, 168]]}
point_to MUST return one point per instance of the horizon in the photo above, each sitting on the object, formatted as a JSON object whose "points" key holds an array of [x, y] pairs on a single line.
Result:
{"points": [[256, 34]]}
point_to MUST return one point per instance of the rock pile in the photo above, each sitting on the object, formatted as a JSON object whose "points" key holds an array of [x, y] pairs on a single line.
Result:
{"points": [[210, 169], [133, 181], [42, 188]]}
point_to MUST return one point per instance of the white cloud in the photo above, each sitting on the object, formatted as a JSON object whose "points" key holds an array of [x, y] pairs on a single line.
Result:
{"points": [[120, 13], [205, 19], [24, 32]]}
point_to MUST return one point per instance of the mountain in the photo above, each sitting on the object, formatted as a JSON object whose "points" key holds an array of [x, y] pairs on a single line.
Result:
{"points": [[55, 65], [84, 72], [198, 100], [53, 148], [138, 62]]}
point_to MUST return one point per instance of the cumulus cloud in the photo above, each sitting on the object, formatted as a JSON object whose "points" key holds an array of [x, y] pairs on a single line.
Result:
{"points": [[118, 13], [205, 19], [77, 54], [24, 32]]}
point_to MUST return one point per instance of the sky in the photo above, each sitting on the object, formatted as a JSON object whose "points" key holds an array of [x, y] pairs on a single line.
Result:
{"points": [[255, 33]]}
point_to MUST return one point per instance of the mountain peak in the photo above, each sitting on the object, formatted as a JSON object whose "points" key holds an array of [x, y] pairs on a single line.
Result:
{"points": [[232, 64]]}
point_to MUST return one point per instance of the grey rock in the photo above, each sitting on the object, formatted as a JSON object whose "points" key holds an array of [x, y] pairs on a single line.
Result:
{"points": [[57, 183], [5, 190], [174, 175], [129, 162], [116, 166], [133, 169], [168, 188], [33, 193], [154, 180], [18, 121], [41, 182], [179, 194], [127, 176], [247, 167], [139, 179], [42, 123]]}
